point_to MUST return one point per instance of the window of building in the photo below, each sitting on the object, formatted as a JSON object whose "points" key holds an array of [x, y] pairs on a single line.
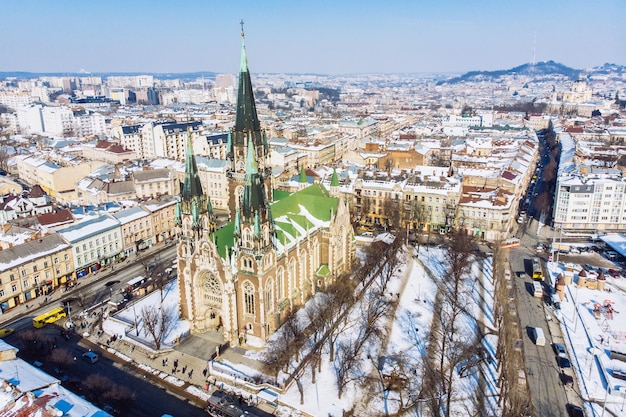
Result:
{"points": [[248, 296], [26, 283], [1, 292], [14, 288]]}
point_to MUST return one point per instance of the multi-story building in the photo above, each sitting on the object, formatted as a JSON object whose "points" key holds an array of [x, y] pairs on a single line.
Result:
{"points": [[590, 202], [15, 100], [163, 212], [112, 153], [57, 181], [130, 137], [150, 183], [167, 139], [33, 269], [58, 121], [96, 242], [137, 230]]}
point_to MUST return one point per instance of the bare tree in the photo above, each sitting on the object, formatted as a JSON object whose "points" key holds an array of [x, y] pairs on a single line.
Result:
{"points": [[157, 322], [347, 366], [453, 339], [62, 357], [392, 210], [284, 351]]}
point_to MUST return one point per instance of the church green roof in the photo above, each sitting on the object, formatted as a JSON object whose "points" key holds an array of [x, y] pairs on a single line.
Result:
{"points": [[293, 215]]}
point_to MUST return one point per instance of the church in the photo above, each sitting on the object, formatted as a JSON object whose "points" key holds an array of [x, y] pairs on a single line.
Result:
{"points": [[279, 249]]}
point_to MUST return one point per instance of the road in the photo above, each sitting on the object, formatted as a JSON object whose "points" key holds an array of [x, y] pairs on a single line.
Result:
{"points": [[547, 393], [160, 400]]}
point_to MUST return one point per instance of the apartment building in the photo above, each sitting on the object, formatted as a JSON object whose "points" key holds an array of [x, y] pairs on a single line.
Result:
{"points": [[130, 137], [33, 269], [591, 202], [137, 230], [168, 139], [57, 181], [163, 212], [95, 242], [150, 183], [112, 153]]}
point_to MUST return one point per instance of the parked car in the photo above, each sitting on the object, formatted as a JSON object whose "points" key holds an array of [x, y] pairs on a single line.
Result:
{"points": [[559, 349], [614, 273], [563, 362], [575, 411], [6, 331], [566, 379]]}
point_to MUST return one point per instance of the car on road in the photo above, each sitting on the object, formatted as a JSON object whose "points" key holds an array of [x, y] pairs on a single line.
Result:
{"points": [[563, 362], [614, 273], [91, 357], [6, 331], [566, 379], [575, 411], [559, 349]]}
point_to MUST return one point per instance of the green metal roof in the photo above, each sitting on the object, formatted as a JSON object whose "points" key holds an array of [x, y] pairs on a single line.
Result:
{"points": [[289, 216]]}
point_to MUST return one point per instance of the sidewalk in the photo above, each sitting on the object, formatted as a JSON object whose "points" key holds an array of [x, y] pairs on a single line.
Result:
{"points": [[192, 375], [43, 303]]}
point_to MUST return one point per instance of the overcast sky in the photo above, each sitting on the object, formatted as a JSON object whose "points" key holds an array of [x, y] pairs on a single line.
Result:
{"points": [[320, 36]]}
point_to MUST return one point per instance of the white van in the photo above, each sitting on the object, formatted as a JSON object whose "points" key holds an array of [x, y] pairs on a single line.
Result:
{"points": [[537, 289], [538, 336]]}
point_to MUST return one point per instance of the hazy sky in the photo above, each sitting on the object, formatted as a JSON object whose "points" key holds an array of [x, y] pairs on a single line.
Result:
{"points": [[315, 36]]}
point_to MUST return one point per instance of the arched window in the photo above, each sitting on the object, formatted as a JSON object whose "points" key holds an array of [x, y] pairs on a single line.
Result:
{"points": [[248, 298], [280, 283], [292, 276], [269, 295], [304, 265]]}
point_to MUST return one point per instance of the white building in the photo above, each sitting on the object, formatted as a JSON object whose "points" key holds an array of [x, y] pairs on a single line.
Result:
{"points": [[591, 202], [29, 119], [58, 121], [95, 242]]}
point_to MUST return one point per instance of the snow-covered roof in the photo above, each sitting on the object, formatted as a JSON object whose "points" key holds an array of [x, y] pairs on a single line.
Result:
{"points": [[131, 214], [26, 252], [90, 227]]}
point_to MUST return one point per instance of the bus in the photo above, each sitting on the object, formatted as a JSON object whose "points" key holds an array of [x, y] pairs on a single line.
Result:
{"points": [[537, 270], [49, 317], [537, 290]]}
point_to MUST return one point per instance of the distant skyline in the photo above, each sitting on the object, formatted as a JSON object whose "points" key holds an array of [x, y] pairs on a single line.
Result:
{"points": [[322, 36]]}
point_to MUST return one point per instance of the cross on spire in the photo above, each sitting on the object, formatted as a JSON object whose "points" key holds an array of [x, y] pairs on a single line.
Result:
{"points": [[241, 23]]}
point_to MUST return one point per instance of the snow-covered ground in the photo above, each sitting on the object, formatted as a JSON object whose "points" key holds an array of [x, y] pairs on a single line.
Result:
{"points": [[590, 336], [414, 289]]}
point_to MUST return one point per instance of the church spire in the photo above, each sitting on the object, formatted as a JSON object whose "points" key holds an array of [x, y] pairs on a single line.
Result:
{"points": [[193, 201], [246, 119], [253, 188], [192, 186]]}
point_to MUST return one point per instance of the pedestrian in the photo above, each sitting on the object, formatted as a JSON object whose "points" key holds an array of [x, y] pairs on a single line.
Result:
{"points": [[190, 374], [163, 362], [204, 371], [206, 386], [184, 369]]}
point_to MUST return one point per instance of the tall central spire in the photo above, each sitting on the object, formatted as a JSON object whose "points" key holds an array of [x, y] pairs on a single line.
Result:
{"points": [[246, 120]]}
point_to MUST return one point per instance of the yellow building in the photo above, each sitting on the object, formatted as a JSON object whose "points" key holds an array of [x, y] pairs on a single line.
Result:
{"points": [[34, 269]]}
